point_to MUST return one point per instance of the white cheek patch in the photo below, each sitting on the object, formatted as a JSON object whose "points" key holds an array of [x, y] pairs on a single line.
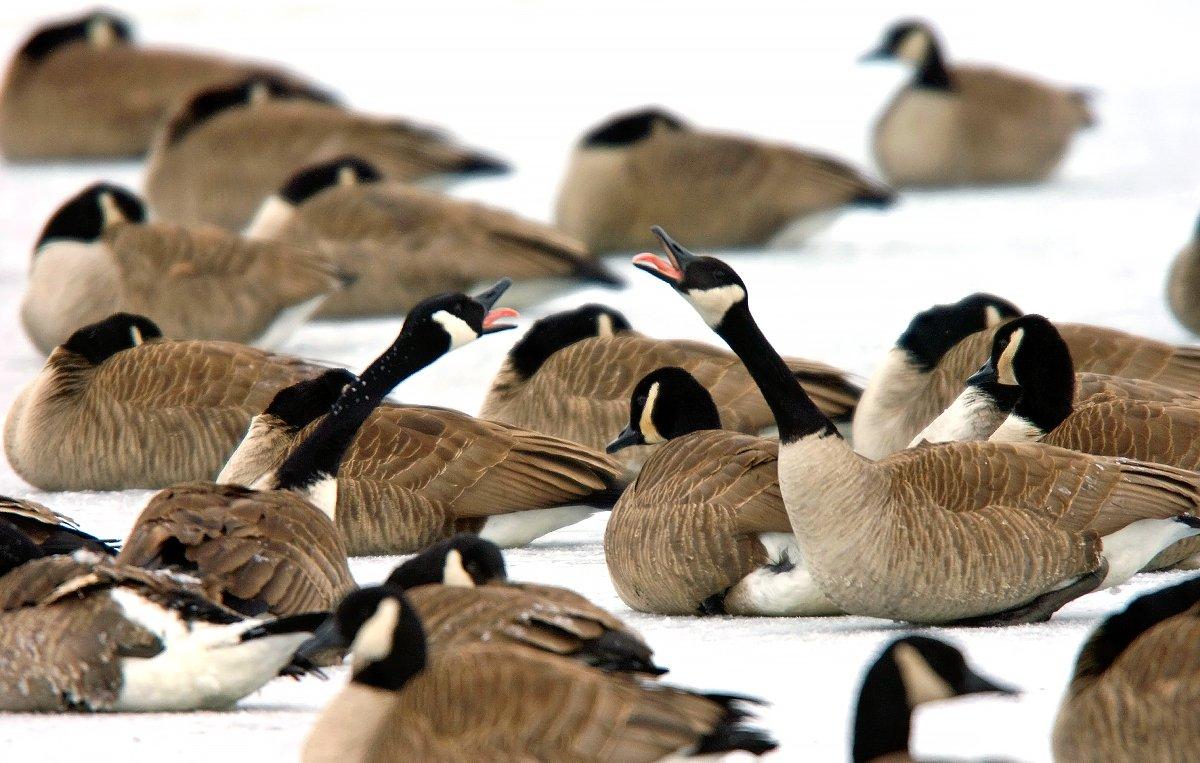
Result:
{"points": [[915, 47], [374, 639], [646, 422], [453, 572], [604, 325], [1004, 366], [135, 336], [712, 304], [101, 35], [109, 211], [271, 217], [991, 315], [921, 682], [460, 333], [346, 176], [259, 93]]}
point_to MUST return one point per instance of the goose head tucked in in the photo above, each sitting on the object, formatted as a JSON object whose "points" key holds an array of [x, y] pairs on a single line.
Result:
{"points": [[387, 640], [278, 209], [465, 560], [666, 403], [99, 29], [554, 332], [249, 92], [101, 340], [85, 217]]}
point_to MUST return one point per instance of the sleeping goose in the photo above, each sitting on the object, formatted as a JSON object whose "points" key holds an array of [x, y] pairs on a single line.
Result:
{"points": [[48, 531], [230, 147], [83, 632], [703, 528], [81, 88], [724, 190], [402, 242], [273, 546], [1136, 686], [98, 255], [117, 407], [499, 701], [954, 533], [960, 124], [945, 344], [571, 375]]}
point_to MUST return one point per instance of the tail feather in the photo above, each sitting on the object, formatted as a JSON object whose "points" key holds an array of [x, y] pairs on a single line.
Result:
{"points": [[731, 734]]}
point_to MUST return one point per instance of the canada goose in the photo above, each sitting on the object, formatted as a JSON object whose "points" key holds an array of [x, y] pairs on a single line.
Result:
{"points": [[703, 528], [48, 531], [117, 407], [724, 190], [461, 593], [98, 255], [86, 633], [403, 242], [1136, 684], [497, 701], [959, 532], [945, 344], [571, 375], [911, 671], [82, 89], [1183, 284], [956, 125], [230, 147], [416, 474], [274, 546]]}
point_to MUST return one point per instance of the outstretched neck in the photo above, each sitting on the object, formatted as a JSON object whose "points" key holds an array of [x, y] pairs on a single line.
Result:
{"points": [[883, 720], [795, 413]]}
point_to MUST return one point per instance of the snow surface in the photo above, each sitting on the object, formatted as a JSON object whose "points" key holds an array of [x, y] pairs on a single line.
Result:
{"points": [[523, 78]]}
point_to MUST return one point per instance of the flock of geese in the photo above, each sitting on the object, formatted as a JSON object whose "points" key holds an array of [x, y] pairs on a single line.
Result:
{"points": [[996, 467]]}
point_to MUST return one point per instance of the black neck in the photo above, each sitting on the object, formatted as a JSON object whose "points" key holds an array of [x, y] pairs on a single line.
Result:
{"points": [[1047, 388], [932, 71], [795, 413], [883, 720]]}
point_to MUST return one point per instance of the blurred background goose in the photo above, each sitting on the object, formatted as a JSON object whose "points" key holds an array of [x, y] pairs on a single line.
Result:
{"points": [[719, 190], [1183, 284], [48, 531], [99, 255], [81, 88], [229, 148]]}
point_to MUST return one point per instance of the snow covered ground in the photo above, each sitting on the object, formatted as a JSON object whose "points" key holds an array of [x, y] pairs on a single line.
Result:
{"points": [[523, 78]]}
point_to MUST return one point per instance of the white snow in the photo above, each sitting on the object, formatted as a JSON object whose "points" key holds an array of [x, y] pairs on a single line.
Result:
{"points": [[523, 79]]}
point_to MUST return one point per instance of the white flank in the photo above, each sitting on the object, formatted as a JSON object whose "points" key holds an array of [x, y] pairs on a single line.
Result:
{"points": [[520, 528], [66, 280], [268, 221], [1132, 547], [286, 323], [460, 333], [1016, 429], [780, 594], [801, 229], [712, 304], [972, 416]]}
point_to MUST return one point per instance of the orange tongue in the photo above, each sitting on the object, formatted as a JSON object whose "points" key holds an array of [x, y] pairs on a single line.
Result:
{"points": [[659, 264], [499, 313]]}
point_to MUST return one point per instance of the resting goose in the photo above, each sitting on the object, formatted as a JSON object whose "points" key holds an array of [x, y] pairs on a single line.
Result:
{"points": [[959, 124], [230, 147], [401, 242], [273, 546], [954, 533], [724, 190], [98, 255], [944, 345], [47, 530], [497, 701], [703, 528], [572, 373], [82, 88]]}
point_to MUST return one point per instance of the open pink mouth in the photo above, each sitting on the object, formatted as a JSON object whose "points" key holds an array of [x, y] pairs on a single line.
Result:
{"points": [[500, 313], [659, 264]]}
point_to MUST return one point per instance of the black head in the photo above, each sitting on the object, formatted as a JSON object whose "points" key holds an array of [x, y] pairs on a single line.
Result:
{"points": [[464, 560], [209, 103], [932, 333], [667, 403], [1029, 354], [99, 29], [631, 127], [306, 401], [554, 332], [347, 170], [907, 40], [386, 640], [116, 333], [452, 320], [86, 215], [710, 285]]}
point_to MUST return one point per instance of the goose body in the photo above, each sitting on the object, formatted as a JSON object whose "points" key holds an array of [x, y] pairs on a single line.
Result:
{"points": [[498, 701], [83, 89], [47, 530], [402, 242], [959, 532], [1183, 285], [98, 256], [725, 191], [84, 632], [942, 346], [572, 375], [960, 125], [230, 148], [117, 407]]}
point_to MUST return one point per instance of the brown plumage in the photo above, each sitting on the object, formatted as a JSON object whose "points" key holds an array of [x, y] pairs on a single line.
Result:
{"points": [[1183, 286], [225, 152], [269, 550], [402, 242], [1136, 684], [110, 413], [49, 531], [955, 125], [648, 167], [82, 89], [195, 283], [581, 381]]}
